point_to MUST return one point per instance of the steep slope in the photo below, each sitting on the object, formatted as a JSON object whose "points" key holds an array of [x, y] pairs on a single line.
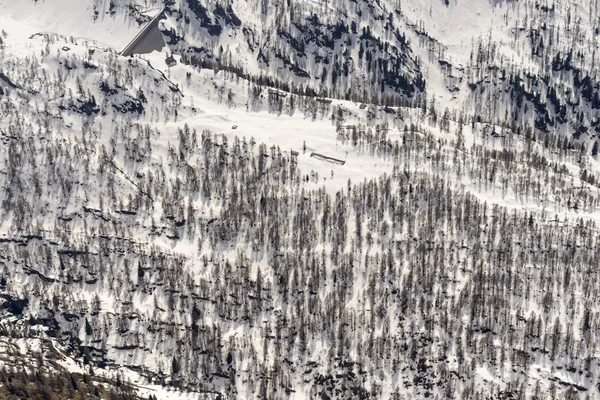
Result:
{"points": [[109, 23], [523, 65], [341, 49], [190, 228]]}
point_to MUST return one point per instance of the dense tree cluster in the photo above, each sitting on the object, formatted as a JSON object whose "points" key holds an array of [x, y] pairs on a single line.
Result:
{"points": [[561, 93], [305, 48], [219, 264], [32, 370], [376, 272]]}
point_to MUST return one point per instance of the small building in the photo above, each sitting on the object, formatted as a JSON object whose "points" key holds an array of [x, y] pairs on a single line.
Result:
{"points": [[328, 159], [170, 61], [277, 93]]}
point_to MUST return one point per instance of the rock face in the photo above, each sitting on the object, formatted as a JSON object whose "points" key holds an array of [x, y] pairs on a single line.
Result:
{"points": [[148, 40]]}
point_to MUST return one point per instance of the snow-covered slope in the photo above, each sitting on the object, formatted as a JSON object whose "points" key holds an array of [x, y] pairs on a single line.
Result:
{"points": [[109, 23], [217, 232], [348, 50], [530, 63]]}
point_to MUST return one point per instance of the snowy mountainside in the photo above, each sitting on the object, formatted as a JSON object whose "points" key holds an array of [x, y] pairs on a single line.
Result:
{"points": [[109, 23], [302, 46], [530, 62], [531, 65], [192, 229]]}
